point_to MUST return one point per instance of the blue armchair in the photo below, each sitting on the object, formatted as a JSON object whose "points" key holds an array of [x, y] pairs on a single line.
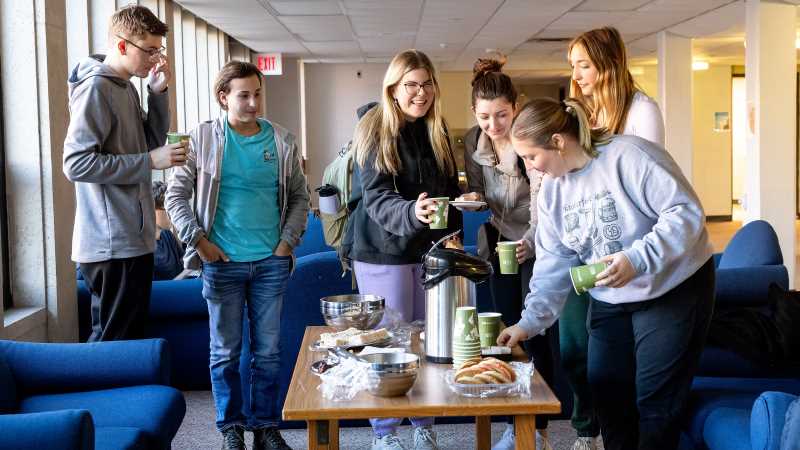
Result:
{"points": [[109, 395], [758, 426], [725, 380]]}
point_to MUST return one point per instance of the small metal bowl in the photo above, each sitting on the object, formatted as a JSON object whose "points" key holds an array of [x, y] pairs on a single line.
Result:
{"points": [[363, 312], [391, 374]]}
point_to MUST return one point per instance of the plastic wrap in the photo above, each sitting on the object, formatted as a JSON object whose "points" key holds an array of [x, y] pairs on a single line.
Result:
{"points": [[521, 387], [345, 380]]}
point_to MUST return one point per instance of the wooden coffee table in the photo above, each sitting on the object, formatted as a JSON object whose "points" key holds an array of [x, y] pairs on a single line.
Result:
{"points": [[430, 397]]}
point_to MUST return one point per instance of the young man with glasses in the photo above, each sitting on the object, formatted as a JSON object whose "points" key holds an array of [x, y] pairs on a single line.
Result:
{"points": [[110, 149]]}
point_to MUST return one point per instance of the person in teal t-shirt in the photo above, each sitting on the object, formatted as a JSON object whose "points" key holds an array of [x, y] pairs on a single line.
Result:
{"points": [[251, 208]]}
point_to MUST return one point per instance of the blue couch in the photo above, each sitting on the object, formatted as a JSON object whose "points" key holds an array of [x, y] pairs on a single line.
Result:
{"points": [[750, 263], [759, 426], [110, 395]]}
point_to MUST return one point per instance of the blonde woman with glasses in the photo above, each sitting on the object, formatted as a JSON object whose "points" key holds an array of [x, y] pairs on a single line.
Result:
{"points": [[602, 81], [404, 159]]}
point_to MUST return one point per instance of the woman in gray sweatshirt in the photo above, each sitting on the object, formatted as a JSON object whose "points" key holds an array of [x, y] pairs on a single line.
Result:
{"points": [[623, 201]]}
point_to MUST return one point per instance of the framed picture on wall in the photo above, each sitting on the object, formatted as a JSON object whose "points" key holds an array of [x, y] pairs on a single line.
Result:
{"points": [[722, 121]]}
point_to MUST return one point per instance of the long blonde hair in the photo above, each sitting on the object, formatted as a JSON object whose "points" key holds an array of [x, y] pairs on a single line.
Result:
{"points": [[378, 130], [614, 88], [543, 117]]}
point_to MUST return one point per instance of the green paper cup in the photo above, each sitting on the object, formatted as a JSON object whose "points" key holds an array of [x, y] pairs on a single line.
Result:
{"points": [[174, 138], [489, 328], [440, 216], [584, 277], [507, 254]]}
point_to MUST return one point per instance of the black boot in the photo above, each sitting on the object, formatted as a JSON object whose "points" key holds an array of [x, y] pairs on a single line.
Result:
{"points": [[233, 438], [269, 439]]}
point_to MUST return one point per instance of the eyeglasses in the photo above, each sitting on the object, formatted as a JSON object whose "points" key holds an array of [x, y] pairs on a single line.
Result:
{"points": [[151, 52], [412, 87]]}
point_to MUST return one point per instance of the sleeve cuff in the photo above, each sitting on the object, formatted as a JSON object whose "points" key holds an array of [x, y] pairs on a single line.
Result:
{"points": [[636, 260]]}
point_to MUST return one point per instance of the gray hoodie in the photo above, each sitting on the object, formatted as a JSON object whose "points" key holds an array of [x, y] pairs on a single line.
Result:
{"points": [[106, 156]]}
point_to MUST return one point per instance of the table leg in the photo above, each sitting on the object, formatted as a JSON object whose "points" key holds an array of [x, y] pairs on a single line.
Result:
{"points": [[323, 435], [483, 432], [525, 432]]}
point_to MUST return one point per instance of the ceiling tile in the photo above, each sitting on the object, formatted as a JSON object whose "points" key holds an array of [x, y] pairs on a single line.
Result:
{"points": [[318, 28], [728, 19], [334, 48], [611, 5], [305, 7], [371, 18]]}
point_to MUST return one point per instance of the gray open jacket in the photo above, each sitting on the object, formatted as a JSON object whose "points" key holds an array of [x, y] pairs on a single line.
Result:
{"points": [[201, 176], [503, 187]]}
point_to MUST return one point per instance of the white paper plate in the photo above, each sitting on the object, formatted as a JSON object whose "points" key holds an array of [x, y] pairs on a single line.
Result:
{"points": [[469, 205]]}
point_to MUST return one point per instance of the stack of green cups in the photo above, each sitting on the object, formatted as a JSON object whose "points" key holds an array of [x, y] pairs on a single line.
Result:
{"points": [[466, 337], [507, 254], [489, 328]]}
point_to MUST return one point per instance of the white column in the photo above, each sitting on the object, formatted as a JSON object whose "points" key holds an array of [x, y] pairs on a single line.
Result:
{"points": [[771, 68], [675, 97]]}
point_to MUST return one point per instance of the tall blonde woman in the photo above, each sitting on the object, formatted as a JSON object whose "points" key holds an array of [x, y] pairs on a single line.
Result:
{"points": [[496, 175], [404, 160], [602, 81]]}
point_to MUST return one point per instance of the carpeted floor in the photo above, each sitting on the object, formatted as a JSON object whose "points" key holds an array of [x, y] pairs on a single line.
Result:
{"points": [[198, 431]]}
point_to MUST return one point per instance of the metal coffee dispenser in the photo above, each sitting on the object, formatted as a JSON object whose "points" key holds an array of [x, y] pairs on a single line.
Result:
{"points": [[449, 280]]}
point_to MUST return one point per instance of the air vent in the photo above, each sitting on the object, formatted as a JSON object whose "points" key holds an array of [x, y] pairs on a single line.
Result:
{"points": [[548, 40]]}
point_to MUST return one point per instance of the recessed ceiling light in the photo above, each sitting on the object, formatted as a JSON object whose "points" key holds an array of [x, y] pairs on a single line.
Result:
{"points": [[699, 65]]}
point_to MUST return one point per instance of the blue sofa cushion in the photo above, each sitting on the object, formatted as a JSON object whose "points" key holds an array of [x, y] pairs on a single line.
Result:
{"points": [[790, 438], [119, 438], [47, 367], [755, 244], [156, 410], [52, 430], [8, 389], [727, 429]]}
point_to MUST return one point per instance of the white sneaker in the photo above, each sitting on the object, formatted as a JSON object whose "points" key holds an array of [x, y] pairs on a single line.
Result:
{"points": [[585, 443], [425, 439], [388, 442], [507, 441]]}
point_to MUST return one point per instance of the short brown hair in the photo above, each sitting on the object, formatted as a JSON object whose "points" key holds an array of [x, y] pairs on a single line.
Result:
{"points": [[231, 71], [136, 21]]}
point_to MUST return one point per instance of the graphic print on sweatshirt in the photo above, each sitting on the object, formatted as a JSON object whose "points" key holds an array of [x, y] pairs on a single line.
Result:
{"points": [[591, 225]]}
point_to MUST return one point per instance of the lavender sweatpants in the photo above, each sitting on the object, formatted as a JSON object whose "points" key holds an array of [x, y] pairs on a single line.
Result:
{"points": [[401, 287]]}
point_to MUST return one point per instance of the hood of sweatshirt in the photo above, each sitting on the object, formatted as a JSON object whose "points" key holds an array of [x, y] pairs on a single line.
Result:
{"points": [[92, 66]]}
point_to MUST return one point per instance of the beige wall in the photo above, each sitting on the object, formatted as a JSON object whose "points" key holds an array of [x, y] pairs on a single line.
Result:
{"points": [[333, 93], [456, 99], [711, 92], [648, 81], [282, 96]]}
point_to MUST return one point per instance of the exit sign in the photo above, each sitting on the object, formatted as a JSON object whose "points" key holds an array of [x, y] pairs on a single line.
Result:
{"points": [[269, 63]]}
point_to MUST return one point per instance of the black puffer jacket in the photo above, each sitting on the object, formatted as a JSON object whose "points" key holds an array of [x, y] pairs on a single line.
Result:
{"points": [[383, 228]]}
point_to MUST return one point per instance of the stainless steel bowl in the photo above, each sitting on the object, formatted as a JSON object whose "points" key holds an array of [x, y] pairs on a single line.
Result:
{"points": [[357, 311], [391, 374]]}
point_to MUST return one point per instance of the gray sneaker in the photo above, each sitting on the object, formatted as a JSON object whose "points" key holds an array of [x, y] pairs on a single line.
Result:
{"points": [[388, 442], [585, 443], [425, 439], [507, 441]]}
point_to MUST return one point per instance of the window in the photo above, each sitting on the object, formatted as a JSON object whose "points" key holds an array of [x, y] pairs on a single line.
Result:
{"points": [[5, 282]]}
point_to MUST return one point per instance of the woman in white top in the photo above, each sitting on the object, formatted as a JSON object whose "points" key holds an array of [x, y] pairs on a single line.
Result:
{"points": [[601, 80]]}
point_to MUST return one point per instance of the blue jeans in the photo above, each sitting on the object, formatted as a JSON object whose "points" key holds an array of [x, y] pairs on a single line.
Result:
{"points": [[228, 288], [642, 358]]}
